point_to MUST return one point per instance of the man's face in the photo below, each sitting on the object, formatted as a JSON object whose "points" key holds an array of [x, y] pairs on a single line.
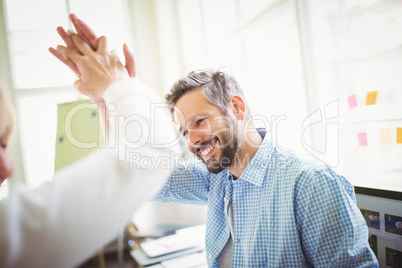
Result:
{"points": [[210, 135]]}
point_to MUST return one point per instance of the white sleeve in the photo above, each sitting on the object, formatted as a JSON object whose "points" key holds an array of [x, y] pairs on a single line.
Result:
{"points": [[65, 221]]}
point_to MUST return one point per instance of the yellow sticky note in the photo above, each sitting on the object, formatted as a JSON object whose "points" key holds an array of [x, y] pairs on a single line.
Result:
{"points": [[78, 131], [385, 136], [399, 135], [371, 98]]}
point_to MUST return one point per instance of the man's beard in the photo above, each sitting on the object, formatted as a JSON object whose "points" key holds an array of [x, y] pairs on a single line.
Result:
{"points": [[229, 145]]}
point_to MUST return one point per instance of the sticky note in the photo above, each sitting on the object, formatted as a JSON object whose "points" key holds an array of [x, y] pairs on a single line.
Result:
{"points": [[362, 138], [371, 98], [352, 101], [399, 135], [78, 131], [385, 136]]}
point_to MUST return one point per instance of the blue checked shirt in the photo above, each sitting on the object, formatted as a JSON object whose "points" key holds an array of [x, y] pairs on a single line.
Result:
{"points": [[287, 212]]}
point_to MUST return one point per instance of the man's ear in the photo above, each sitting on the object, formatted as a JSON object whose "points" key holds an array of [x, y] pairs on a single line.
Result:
{"points": [[238, 106]]}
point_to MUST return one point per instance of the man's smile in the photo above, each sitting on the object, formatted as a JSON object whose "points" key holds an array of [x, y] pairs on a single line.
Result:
{"points": [[207, 150]]}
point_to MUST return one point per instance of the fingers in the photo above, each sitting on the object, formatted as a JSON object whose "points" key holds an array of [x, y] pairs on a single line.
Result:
{"points": [[64, 59], [81, 45], [65, 36], [85, 32], [114, 53], [74, 19], [102, 45], [69, 53], [114, 57], [130, 62]]}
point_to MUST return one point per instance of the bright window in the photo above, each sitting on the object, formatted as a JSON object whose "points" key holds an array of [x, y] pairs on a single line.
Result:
{"points": [[257, 42], [40, 81]]}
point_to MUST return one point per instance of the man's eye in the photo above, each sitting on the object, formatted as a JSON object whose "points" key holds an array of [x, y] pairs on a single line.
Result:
{"points": [[199, 121]]}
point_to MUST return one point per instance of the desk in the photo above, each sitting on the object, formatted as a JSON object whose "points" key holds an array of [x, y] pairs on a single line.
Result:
{"points": [[183, 248], [109, 255]]}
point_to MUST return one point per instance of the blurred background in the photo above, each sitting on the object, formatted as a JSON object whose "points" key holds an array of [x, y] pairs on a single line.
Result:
{"points": [[323, 76]]}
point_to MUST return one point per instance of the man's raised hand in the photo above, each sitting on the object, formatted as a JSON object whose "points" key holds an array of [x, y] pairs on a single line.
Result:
{"points": [[98, 68], [89, 37]]}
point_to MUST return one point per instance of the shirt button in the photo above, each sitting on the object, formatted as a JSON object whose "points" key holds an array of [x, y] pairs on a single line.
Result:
{"points": [[238, 240], [210, 256]]}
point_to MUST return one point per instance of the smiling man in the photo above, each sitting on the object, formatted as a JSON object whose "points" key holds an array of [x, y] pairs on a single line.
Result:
{"points": [[266, 206]]}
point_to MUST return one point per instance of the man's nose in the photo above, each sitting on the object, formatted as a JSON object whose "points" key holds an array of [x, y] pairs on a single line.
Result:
{"points": [[194, 139]]}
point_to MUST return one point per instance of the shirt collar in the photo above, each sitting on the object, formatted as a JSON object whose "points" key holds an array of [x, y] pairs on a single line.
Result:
{"points": [[256, 169]]}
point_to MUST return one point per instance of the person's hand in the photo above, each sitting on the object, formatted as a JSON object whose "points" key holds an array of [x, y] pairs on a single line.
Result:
{"points": [[89, 36], [98, 68]]}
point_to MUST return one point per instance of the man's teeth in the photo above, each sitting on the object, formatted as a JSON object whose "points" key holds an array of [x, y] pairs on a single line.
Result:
{"points": [[207, 150]]}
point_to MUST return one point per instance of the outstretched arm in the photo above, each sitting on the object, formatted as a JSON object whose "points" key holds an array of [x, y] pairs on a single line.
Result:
{"points": [[64, 222], [89, 37]]}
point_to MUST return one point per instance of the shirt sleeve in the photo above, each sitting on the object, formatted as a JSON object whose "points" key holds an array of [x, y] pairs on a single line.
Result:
{"points": [[332, 230], [63, 222], [187, 184]]}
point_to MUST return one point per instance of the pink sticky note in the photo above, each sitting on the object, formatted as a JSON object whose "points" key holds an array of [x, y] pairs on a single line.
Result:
{"points": [[352, 101], [362, 138]]}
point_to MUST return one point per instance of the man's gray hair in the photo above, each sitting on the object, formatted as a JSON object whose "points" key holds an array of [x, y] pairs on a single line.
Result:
{"points": [[216, 86]]}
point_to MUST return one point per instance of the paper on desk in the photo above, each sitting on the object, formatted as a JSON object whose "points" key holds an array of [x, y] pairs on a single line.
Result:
{"points": [[183, 239], [143, 259], [196, 232]]}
